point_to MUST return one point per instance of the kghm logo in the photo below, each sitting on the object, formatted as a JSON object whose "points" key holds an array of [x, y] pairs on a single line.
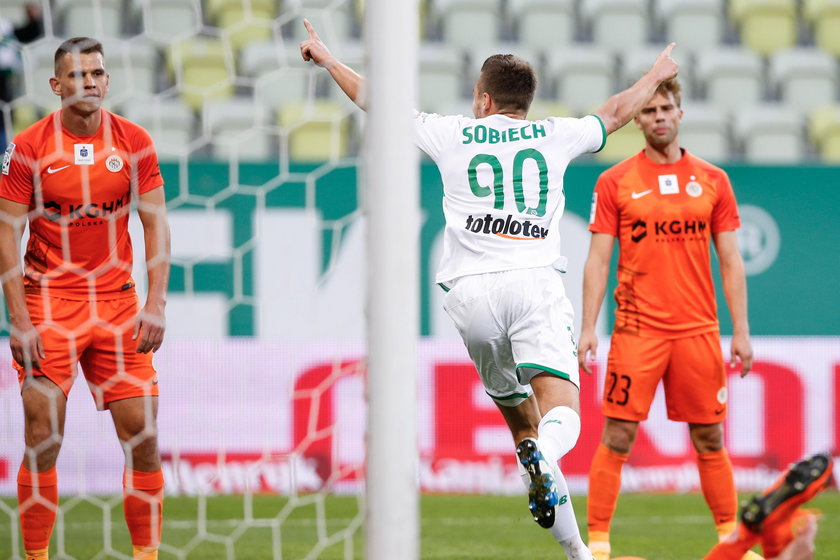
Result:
{"points": [[670, 230], [54, 212], [508, 227]]}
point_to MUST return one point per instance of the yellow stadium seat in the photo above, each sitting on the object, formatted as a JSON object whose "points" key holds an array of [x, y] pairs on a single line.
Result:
{"points": [[316, 130], [765, 25], [201, 69], [824, 132], [824, 17], [623, 143], [243, 21], [23, 115]]}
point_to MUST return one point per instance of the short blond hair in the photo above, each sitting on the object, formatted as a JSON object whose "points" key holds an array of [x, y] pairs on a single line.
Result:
{"points": [[671, 86]]}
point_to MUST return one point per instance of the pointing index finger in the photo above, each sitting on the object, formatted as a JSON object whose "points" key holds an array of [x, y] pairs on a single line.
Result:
{"points": [[668, 49], [312, 34]]}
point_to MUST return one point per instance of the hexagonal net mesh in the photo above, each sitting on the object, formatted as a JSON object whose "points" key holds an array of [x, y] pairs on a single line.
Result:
{"points": [[260, 423]]}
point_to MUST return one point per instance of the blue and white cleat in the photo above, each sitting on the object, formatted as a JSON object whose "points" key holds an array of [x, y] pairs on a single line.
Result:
{"points": [[542, 493]]}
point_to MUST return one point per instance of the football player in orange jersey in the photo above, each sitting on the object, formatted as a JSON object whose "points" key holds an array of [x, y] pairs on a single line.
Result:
{"points": [[666, 207], [73, 176]]}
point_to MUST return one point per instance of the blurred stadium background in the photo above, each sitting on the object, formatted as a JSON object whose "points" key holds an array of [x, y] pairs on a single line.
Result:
{"points": [[262, 379]]}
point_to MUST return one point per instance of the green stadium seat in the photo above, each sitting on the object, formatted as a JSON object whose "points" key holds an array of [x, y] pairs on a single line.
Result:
{"points": [[824, 132], [202, 69], [543, 25], [765, 25], [805, 77], [824, 17], [315, 131], [623, 143]]}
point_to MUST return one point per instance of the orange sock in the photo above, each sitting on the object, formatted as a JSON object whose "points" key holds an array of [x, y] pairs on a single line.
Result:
{"points": [[143, 505], [38, 503], [718, 483], [604, 486]]}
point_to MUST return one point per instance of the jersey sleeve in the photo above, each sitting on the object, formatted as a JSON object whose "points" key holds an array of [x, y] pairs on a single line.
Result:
{"points": [[432, 132], [725, 213], [584, 135], [145, 161], [603, 215], [18, 172]]}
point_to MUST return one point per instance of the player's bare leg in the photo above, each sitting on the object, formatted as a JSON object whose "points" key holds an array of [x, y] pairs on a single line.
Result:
{"points": [[617, 441], [135, 420], [546, 427], [44, 408]]}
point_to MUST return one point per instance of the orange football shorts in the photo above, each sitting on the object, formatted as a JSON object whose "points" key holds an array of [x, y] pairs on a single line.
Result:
{"points": [[97, 336], [692, 373]]}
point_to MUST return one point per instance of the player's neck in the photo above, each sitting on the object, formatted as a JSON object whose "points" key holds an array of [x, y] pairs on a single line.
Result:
{"points": [[81, 124], [664, 155]]}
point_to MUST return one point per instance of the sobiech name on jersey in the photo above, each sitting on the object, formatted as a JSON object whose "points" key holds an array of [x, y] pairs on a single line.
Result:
{"points": [[507, 227], [481, 134]]}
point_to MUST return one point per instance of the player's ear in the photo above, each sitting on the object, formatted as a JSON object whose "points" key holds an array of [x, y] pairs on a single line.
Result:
{"points": [[55, 85]]}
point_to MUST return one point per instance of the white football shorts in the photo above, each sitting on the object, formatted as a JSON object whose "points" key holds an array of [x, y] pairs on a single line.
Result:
{"points": [[515, 324]]}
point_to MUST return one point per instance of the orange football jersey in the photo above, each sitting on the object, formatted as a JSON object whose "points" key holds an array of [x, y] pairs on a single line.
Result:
{"points": [[664, 216], [79, 192]]}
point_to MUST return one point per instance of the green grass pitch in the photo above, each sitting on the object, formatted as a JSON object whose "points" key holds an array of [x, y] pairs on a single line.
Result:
{"points": [[653, 526]]}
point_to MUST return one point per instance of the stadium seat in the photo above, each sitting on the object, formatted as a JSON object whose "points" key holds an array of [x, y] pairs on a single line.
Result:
{"points": [[694, 24], [824, 132], [314, 131], [584, 76], [441, 76], [765, 25], [237, 129], [806, 78], [23, 115], [623, 143], [91, 18], [543, 25], [824, 17], [705, 132], [469, 24], [334, 19], [617, 25], [242, 21], [170, 121], [202, 68], [770, 133], [635, 62], [133, 66], [478, 54], [168, 20], [732, 77]]}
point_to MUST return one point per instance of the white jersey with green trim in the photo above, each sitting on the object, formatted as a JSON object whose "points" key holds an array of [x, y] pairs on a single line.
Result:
{"points": [[503, 186]]}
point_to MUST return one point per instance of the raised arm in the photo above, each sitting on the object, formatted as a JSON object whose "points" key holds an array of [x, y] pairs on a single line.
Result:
{"points": [[595, 273], [24, 340], [314, 49], [735, 290], [623, 106], [151, 322]]}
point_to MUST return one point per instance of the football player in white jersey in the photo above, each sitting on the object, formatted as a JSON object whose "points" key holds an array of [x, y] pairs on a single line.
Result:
{"points": [[503, 198]]}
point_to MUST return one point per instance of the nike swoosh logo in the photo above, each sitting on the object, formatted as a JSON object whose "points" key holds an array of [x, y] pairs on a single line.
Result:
{"points": [[50, 170], [636, 195]]}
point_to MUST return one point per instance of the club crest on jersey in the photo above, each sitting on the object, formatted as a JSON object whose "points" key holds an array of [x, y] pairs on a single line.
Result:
{"points": [[693, 188], [668, 184], [114, 163], [83, 154], [7, 158]]}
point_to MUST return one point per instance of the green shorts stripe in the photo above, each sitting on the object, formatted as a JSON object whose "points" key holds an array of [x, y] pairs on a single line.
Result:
{"points": [[546, 369]]}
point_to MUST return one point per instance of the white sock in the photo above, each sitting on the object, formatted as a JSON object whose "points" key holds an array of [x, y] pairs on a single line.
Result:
{"points": [[558, 433]]}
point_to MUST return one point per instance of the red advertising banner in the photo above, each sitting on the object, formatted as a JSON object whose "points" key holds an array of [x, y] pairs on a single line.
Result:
{"points": [[252, 416]]}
